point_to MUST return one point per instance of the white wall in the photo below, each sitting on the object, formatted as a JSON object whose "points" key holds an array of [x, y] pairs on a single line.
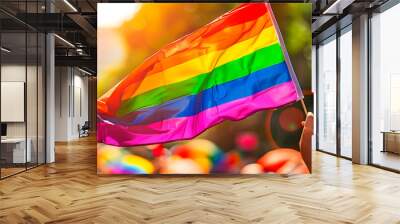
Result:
{"points": [[61, 103], [71, 102], [80, 103], [16, 73], [12, 73]]}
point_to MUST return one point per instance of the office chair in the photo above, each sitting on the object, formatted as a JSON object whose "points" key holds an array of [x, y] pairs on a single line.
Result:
{"points": [[84, 130]]}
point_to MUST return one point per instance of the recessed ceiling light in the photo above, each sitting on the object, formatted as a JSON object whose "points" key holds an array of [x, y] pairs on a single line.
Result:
{"points": [[64, 40], [337, 7], [5, 50], [84, 71], [70, 5]]}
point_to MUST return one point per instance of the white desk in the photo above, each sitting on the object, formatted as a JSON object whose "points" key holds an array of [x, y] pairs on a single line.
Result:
{"points": [[18, 150]]}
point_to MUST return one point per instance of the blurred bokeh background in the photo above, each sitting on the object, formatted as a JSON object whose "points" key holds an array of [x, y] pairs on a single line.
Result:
{"points": [[139, 30]]}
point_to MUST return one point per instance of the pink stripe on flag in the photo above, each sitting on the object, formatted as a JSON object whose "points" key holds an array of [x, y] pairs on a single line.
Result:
{"points": [[189, 127]]}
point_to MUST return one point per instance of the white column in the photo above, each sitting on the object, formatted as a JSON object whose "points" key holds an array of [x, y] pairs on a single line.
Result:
{"points": [[50, 100], [360, 90], [50, 92]]}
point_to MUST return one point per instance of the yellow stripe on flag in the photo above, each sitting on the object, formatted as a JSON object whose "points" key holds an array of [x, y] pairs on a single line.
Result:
{"points": [[204, 63]]}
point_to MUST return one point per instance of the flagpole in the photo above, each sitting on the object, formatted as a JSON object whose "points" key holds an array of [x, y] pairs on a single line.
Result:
{"points": [[303, 105], [284, 51], [287, 59]]}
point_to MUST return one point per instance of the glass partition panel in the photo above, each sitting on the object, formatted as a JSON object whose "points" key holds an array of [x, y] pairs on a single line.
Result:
{"points": [[41, 99], [385, 89], [14, 153], [32, 86], [346, 93], [31, 98], [22, 67], [327, 96]]}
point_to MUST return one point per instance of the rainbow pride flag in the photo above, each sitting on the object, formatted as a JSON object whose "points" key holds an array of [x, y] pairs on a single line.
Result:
{"points": [[226, 70]]}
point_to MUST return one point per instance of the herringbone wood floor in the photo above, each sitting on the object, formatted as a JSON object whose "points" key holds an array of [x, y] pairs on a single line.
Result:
{"points": [[69, 191]]}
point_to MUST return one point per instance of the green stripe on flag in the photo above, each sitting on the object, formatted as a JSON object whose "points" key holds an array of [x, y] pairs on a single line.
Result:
{"points": [[238, 68]]}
